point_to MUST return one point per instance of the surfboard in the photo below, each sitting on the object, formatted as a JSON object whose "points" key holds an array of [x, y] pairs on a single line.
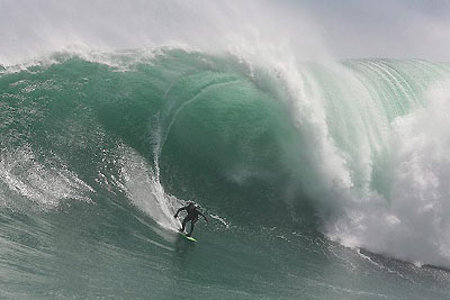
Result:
{"points": [[188, 237]]}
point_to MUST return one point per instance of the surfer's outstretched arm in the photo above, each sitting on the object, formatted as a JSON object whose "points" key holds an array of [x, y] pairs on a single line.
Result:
{"points": [[203, 216], [178, 211]]}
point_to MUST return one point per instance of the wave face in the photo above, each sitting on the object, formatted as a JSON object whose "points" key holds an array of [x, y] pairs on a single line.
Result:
{"points": [[97, 152]]}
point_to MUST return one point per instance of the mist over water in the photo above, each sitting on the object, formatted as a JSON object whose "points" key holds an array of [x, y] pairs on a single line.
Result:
{"points": [[81, 26], [111, 121]]}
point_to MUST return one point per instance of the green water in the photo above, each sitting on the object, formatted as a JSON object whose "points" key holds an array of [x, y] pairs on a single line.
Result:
{"points": [[96, 157]]}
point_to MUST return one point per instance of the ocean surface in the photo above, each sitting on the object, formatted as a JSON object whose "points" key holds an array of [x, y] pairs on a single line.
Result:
{"points": [[321, 181]]}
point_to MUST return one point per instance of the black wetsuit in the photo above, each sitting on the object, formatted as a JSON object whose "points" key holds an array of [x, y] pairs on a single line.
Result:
{"points": [[192, 215]]}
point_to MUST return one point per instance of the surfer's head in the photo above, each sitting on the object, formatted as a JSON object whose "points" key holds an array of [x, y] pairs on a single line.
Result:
{"points": [[192, 204]]}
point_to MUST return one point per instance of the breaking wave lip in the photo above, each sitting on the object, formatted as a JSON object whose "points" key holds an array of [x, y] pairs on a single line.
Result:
{"points": [[413, 225]]}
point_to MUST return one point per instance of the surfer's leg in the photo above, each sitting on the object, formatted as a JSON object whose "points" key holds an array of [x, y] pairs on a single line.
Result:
{"points": [[183, 224], [192, 227]]}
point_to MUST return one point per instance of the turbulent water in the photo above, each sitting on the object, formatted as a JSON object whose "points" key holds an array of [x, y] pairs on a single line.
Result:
{"points": [[321, 181]]}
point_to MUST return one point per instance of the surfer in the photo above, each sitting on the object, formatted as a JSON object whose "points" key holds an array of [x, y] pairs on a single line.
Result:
{"points": [[192, 215]]}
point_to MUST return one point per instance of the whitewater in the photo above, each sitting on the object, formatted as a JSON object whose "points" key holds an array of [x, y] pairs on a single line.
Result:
{"points": [[323, 178]]}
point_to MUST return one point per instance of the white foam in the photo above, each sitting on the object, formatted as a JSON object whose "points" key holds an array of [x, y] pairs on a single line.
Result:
{"points": [[414, 224], [146, 192], [45, 184]]}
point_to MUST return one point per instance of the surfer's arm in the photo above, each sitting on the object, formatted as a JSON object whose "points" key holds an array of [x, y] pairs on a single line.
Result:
{"points": [[178, 211], [203, 216]]}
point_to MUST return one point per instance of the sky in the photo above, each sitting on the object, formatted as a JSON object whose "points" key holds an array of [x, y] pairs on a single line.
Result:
{"points": [[345, 28], [382, 28]]}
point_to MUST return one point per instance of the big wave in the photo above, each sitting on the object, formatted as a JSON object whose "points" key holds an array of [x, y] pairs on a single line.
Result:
{"points": [[355, 149]]}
